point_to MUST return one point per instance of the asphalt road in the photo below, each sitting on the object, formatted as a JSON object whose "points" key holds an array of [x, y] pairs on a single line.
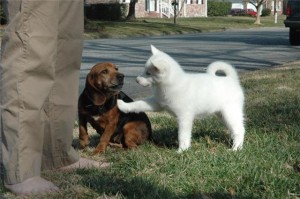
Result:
{"points": [[246, 49]]}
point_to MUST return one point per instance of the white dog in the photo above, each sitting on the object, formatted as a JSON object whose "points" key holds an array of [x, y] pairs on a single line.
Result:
{"points": [[187, 95]]}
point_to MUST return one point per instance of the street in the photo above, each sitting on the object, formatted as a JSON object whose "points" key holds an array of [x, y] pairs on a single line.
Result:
{"points": [[247, 50]]}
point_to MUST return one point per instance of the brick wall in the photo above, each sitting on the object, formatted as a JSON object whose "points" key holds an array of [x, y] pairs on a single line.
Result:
{"points": [[195, 10], [141, 12]]}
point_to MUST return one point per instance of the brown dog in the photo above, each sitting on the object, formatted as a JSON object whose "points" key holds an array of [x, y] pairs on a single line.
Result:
{"points": [[97, 105]]}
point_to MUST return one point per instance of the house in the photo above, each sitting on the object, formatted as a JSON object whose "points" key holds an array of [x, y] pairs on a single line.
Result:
{"points": [[164, 8], [270, 4], [161, 8]]}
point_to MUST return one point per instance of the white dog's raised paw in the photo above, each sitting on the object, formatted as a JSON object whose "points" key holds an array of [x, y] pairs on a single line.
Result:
{"points": [[122, 106]]}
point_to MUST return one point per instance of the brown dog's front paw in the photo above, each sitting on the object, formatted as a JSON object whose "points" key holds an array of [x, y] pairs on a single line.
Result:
{"points": [[100, 148], [84, 143], [96, 152]]}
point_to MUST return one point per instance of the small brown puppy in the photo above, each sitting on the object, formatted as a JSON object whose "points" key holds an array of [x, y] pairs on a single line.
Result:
{"points": [[97, 105]]}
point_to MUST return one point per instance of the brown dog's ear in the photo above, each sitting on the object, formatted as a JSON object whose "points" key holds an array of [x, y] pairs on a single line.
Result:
{"points": [[98, 98], [90, 79], [95, 95]]}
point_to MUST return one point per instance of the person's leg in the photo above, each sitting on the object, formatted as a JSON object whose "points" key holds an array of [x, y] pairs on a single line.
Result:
{"points": [[62, 101], [28, 51], [61, 107]]}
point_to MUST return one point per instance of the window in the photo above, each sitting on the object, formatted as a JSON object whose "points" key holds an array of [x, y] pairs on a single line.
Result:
{"points": [[278, 5], [199, 1], [150, 5]]}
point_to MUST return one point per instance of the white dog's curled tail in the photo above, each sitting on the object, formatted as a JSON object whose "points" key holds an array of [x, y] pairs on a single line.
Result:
{"points": [[222, 66]]}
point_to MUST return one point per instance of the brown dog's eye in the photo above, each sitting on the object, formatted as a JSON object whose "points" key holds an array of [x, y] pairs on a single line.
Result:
{"points": [[104, 71]]}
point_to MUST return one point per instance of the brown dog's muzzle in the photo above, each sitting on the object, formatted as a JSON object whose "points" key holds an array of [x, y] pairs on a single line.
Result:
{"points": [[120, 78], [119, 83]]}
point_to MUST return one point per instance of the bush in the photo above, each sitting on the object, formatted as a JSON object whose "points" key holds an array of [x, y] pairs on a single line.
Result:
{"points": [[266, 12], [110, 12], [2, 15], [218, 8]]}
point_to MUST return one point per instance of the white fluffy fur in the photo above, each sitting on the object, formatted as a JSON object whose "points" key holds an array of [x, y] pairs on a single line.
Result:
{"points": [[186, 96]]}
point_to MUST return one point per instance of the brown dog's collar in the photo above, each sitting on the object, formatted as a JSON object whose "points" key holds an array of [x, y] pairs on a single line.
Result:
{"points": [[98, 110]]}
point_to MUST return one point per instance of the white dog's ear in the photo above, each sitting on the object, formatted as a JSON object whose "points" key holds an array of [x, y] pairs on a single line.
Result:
{"points": [[154, 50], [156, 70]]}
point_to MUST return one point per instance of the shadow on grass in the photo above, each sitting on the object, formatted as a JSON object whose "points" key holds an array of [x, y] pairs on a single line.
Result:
{"points": [[168, 138], [135, 187], [165, 138], [138, 187], [275, 116], [214, 136], [94, 141]]}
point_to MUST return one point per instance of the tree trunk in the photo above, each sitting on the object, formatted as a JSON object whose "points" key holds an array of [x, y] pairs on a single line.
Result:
{"points": [[257, 21], [131, 11], [175, 12]]}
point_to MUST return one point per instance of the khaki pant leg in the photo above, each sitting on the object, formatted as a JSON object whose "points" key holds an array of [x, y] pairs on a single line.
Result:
{"points": [[62, 104], [27, 77]]}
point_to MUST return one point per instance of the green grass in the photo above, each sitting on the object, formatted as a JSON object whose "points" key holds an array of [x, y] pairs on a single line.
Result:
{"points": [[164, 26], [267, 167], [152, 27]]}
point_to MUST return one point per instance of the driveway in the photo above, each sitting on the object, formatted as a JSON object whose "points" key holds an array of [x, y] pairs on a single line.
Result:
{"points": [[247, 50]]}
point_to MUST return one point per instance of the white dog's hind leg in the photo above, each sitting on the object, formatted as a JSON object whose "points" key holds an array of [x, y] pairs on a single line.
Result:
{"points": [[138, 106], [185, 125], [235, 122]]}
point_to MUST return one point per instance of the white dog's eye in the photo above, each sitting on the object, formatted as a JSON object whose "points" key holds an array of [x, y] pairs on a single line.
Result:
{"points": [[148, 73]]}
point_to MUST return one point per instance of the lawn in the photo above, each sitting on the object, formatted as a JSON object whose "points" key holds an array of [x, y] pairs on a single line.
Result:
{"points": [[267, 167], [151, 27], [164, 26]]}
